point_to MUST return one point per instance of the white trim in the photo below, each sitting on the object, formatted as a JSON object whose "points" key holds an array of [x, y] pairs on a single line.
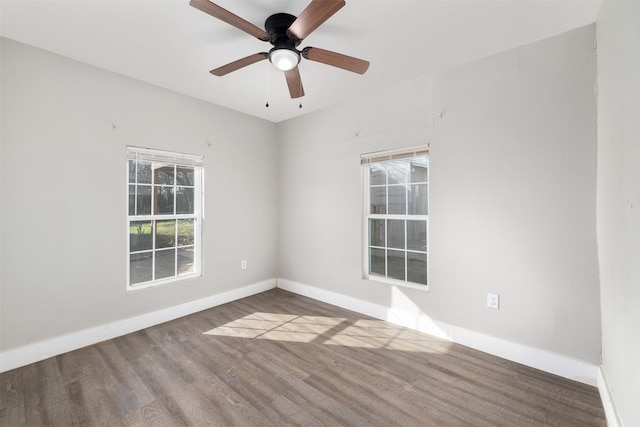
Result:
{"points": [[394, 282], [161, 156], [333, 298], [400, 153], [367, 161], [176, 160], [554, 363], [610, 411], [30, 353]]}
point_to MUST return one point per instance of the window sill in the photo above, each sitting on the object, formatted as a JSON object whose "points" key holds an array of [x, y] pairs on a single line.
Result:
{"points": [[424, 288], [163, 282]]}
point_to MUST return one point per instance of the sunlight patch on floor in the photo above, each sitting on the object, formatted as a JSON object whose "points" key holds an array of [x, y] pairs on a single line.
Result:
{"points": [[364, 333], [278, 327], [380, 334]]}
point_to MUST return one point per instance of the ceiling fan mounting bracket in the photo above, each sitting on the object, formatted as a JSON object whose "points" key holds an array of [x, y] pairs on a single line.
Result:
{"points": [[276, 26]]}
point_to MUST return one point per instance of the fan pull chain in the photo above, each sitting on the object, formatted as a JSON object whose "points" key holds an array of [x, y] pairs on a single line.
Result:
{"points": [[268, 85], [300, 106]]}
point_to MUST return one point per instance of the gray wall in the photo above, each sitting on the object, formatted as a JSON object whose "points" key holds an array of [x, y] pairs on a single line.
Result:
{"points": [[65, 126], [512, 194], [619, 201]]}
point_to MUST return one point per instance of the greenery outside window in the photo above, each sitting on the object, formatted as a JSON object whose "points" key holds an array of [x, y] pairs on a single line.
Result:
{"points": [[397, 216], [164, 217]]}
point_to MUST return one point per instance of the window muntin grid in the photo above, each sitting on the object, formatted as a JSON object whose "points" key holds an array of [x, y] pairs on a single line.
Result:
{"points": [[397, 215], [164, 218]]}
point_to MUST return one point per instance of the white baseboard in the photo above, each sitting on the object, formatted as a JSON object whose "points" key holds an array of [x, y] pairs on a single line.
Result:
{"points": [[607, 400], [557, 364], [30, 353]]}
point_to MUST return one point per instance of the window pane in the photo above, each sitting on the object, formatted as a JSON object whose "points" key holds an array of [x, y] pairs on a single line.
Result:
{"points": [[376, 261], [395, 234], [376, 232], [165, 263], [419, 199], [185, 261], [163, 174], [395, 264], [132, 200], [417, 235], [186, 229], [397, 200], [377, 174], [140, 236], [185, 176], [378, 200], [140, 267], [164, 200], [398, 171], [165, 234], [184, 200], [417, 268], [397, 218], [419, 169], [143, 200], [144, 173], [132, 171]]}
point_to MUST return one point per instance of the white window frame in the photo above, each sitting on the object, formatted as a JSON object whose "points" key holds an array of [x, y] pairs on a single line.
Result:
{"points": [[366, 160], [177, 160]]}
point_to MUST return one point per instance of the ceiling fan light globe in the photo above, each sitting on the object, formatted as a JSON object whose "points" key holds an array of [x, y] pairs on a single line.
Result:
{"points": [[284, 59]]}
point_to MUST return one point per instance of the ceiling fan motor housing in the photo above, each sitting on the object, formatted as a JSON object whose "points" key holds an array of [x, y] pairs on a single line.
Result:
{"points": [[276, 26]]}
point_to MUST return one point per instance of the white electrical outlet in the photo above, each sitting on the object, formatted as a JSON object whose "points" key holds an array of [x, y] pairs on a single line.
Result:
{"points": [[493, 301], [243, 264]]}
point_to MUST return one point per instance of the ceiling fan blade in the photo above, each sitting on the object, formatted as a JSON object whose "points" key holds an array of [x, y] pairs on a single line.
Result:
{"points": [[294, 82], [335, 59], [313, 15], [224, 15], [240, 63]]}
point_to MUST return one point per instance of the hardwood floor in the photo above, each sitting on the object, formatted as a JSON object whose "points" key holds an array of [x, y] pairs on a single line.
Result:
{"points": [[277, 359]]}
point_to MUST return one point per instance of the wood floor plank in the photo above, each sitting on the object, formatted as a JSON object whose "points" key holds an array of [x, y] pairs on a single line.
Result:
{"points": [[45, 395], [124, 385], [487, 380], [279, 359], [79, 412], [359, 376], [168, 388], [134, 345], [234, 409], [152, 414], [289, 388], [12, 398], [225, 368]]}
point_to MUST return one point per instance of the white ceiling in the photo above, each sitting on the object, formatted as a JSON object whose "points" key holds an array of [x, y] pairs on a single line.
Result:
{"points": [[172, 45]]}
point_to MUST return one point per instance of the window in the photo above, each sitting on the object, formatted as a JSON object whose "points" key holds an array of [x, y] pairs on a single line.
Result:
{"points": [[397, 216], [165, 216]]}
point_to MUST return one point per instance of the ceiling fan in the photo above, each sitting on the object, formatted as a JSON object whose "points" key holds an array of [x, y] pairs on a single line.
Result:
{"points": [[285, 32]]}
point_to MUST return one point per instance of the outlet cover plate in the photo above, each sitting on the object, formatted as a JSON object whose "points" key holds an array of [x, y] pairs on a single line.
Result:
{"points": [[493, 301]]}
